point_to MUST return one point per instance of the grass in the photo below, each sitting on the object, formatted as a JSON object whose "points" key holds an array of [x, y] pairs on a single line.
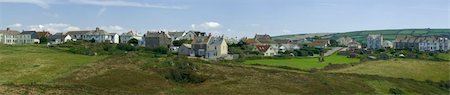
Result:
{"points": [[36, 64], [304, 63], [403, 68]]}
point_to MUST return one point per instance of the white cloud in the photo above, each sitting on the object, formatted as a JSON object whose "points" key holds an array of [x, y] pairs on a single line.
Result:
{"points": [[207, 26], [17, 25], [40, 3], [101, 11], [53, 27], [124, 3]]}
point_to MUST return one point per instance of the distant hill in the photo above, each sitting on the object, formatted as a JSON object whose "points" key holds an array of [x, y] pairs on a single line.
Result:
{"points": [[300, 36], [388, 34]]}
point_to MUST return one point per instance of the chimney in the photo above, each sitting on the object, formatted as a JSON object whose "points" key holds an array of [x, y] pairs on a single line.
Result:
{"points": [[209, 34], [97, 28], [7, 28]]}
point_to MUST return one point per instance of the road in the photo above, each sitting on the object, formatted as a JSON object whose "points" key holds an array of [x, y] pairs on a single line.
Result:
{"points": [[334, 49]]}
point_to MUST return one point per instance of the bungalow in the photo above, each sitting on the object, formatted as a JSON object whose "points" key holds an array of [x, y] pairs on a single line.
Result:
{"points": [[59, 38], [97, 35]]}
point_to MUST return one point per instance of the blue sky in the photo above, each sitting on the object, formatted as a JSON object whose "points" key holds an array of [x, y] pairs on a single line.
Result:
{"points": [[230, 17]]}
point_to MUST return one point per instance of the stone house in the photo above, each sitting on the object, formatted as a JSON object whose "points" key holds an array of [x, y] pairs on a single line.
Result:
{"points": [[323, 43], [199, 44], [157, 39], [374, 41]]}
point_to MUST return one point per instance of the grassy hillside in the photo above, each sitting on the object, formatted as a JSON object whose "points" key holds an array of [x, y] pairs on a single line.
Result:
{"points": [[361, 36], [37, 64], [403, 68], [142, 73], [306, 63]]}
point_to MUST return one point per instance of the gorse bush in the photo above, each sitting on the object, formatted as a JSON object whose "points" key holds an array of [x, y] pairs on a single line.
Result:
{"points": [[181, 70]]}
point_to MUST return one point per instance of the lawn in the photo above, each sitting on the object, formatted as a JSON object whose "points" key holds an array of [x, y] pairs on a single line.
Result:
{"points": [[305, 63], [403, 68], [37, 64]]}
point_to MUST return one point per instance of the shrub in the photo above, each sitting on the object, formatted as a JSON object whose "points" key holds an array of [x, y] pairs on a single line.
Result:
{"points": [[181, 71]]}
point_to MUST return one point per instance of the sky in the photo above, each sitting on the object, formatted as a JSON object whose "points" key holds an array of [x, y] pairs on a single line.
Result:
{"points": [[229, 17]]}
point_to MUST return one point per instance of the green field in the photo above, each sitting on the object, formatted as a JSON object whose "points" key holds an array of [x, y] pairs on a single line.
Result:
{"points": [[37, 64], [304, 63], [403, 68]]}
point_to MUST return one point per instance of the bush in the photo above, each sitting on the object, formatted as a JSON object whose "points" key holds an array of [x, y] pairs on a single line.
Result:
{"points": [[396, 91], [160, 50], [181, 71], [126, 47]]}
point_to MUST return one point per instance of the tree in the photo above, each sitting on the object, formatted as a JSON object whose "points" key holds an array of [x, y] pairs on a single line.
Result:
{"points": [[43, 40], [133, 41]]}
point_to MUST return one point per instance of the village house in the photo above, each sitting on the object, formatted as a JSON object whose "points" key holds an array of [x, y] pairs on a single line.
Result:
{"points": [[190, 35], [286, 44], [374, 41], [98, 35], [59, 38], [267, 50], [44, 34], [186, 49], [322, 43], [435, 44], [388, 44], [125, 37], [263, 39], [176, 35], [34, 36], [422, 43], [344, 41], [11, 37], [199, 44], [217, 47], [157, 39], [353, 45]]}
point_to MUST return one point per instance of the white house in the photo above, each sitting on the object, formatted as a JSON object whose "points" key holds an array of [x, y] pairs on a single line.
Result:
{"points": [[59, 38], [434, 44], [125, 37], [14, 37], [96, 35], [267, 50], [216, 47]]}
